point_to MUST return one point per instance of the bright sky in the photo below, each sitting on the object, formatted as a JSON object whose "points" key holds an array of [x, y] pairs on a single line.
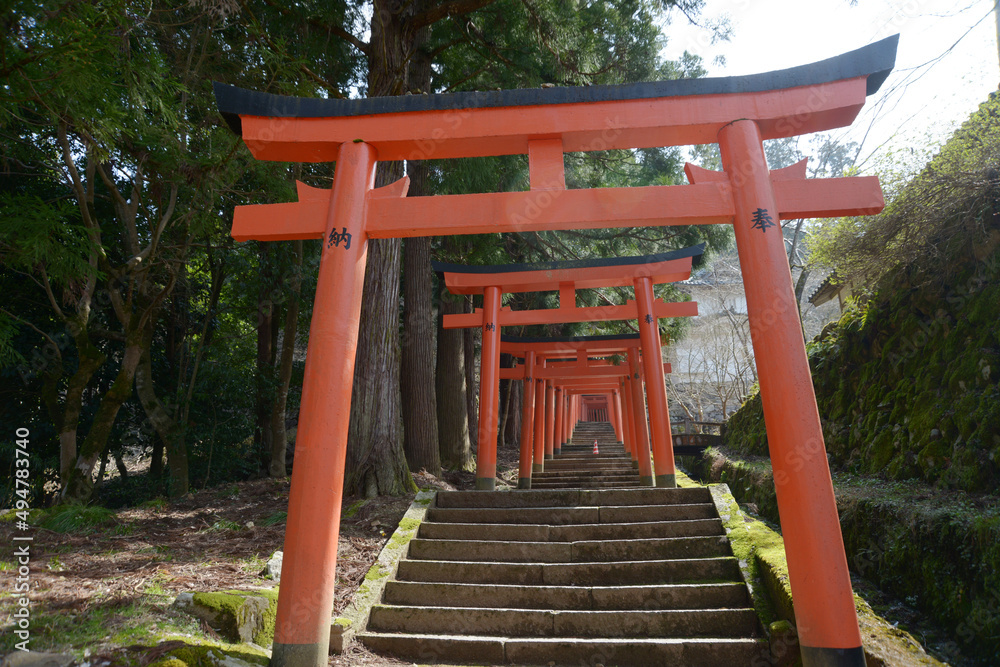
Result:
{"points": [[933, 88]]}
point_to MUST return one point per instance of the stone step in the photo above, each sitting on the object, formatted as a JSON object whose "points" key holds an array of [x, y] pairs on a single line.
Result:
{"points": [[678, 596], [621, 573], [557, 465], [572, 498], [619, 467], [588, 460], [591, 484], [597, 551], [580, 475], [550, 467], [561, 516], [715, 652], [563, 623], [510, 532]]}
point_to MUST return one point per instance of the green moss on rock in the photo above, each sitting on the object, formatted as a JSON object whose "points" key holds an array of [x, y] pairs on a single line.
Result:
{"points": [[241, 615], [211, 654], [409, 524]]}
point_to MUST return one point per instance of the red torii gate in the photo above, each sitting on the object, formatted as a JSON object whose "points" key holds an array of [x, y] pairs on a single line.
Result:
{"points": [[641, 273], [537, 352], [736, 112]]}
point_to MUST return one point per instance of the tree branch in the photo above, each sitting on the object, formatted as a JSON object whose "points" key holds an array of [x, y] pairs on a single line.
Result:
{"points": [[335, 30], [48, 292], [74, 174], [444, 10]]}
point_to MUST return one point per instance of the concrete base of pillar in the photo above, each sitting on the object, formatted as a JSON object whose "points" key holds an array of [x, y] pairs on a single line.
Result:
{"points": [[557, 451], [824, 657], [666, 481], [486, 483], [300, 655], [524, 482], [548, 456], [646, 481], [537, 467], [635, 464]]}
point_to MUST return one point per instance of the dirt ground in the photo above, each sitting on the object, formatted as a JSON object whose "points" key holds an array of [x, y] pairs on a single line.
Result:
{"points": [[128, 570]]}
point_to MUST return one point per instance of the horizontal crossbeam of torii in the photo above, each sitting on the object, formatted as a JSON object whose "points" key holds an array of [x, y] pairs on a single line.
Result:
{"points": [[738, 113], [492, 282], [566, 278]]}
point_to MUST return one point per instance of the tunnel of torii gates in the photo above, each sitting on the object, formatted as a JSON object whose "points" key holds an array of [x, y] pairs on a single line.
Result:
{"points": [[567, 373], [493, 281], [738, 113]]}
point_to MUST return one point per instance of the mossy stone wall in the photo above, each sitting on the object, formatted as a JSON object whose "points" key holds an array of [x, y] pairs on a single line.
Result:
{"points": [[940, 555], [907, 387]]}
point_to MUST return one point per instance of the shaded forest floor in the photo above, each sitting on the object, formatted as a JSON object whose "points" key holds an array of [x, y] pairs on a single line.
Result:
{"points": [[104, 592]]}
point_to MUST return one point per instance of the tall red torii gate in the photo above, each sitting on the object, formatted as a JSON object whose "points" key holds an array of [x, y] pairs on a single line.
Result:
{"points": [[736, 112], [640, 272]]}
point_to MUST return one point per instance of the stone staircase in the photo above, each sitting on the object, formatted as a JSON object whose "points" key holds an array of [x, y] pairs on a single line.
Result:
{"points": [[614, 577], [577, 467]]}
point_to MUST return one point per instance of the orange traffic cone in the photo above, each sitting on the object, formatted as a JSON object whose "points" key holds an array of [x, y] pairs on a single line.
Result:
{"points": [[595, 447]]}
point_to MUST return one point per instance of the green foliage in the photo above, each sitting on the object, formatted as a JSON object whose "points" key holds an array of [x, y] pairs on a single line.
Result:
{"points": [[274, 519], [76, 518], [114, 219], [946, 211], [223, 525]]}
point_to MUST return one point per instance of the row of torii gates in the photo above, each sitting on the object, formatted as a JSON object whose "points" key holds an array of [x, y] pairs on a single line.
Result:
{"points": [[546, 411], [738, 113]]}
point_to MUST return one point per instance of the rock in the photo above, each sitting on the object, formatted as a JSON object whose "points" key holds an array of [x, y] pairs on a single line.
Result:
{"points": [[273, 568], [238, 616], [784, 644], [935, 434], [36, 659], [183, 654]]}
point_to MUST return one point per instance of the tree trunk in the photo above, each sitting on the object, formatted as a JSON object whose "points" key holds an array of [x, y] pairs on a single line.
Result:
{"points": [[90, 360], [265, 357], [469, 339], [156, 461], [120, 464], [79, 485], [168, 431], [419, 404], [279, 439], [100, 470], [376, 463], [450, 381], [512, 421], [420, 429], [503, 401], [800, 287], [419, 401]]}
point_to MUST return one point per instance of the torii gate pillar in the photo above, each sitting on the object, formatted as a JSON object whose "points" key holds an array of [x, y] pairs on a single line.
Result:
{"points": [[527, 423], [826, 619], [550, 418], [656, 388], [557, 423], [639, 421], [489, 392], [302, 633]]}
